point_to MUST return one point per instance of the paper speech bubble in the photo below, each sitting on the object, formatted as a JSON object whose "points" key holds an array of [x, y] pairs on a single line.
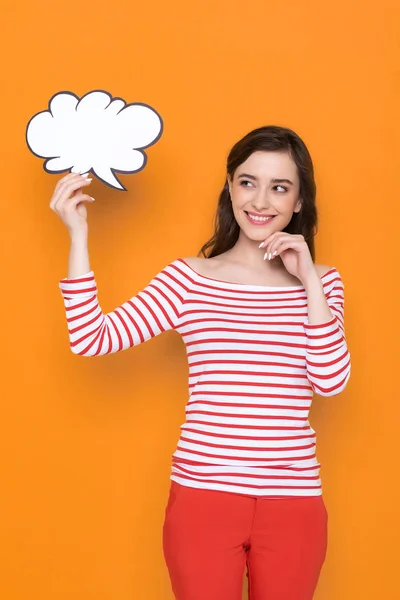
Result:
{"points": [[96, 133]]}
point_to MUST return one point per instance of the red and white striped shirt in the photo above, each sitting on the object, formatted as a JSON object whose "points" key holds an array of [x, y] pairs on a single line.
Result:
{"points": [[254, 363]]}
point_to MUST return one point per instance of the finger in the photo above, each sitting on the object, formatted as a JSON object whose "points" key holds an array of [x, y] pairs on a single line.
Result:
{"points": [[63, 188], [268, 240], [73, 202], [273, 240], [270, 252], [281, 245], [276, 244], [68, 178], [67, 189], [288, 246], [293, 240], [273, 237], [73, 183]]}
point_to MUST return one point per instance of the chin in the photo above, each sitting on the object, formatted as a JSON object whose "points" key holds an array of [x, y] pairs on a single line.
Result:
{"points": [[258, 233]]}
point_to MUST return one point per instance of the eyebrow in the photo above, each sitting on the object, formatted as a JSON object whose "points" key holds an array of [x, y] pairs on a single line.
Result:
{"points": [[275, 180]]}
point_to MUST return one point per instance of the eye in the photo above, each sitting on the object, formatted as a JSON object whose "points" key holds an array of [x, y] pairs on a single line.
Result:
{"points": [[282, 187], [243, 182]]}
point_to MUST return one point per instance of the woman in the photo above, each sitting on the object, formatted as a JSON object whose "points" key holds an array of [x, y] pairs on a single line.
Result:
{"points": [[263, 327]]}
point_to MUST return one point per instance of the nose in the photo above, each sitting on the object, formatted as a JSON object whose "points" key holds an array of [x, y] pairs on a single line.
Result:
{"points": [[261, 202]]}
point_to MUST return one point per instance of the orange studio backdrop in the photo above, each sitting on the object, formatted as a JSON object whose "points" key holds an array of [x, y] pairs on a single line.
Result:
{"points": [[86, 444]]}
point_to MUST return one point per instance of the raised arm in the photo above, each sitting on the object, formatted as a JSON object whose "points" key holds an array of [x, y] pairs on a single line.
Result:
{"points": [[91, 332]]}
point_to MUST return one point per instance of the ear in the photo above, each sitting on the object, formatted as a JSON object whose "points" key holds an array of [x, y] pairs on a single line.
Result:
{"points": [[298, 206], [229, 182]]}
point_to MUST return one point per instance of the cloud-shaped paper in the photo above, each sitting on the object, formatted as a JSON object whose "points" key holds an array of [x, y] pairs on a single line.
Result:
{"points": [[96, 133]]}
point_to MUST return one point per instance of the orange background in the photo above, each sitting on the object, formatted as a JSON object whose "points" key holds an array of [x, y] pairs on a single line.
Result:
{"points": [[86, 443]]}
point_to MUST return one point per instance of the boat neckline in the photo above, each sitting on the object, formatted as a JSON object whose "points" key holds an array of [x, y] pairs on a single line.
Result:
{"points": [[250, 285]]}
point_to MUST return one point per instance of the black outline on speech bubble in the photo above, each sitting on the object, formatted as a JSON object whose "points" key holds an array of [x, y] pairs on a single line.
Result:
{"points": [[114, 171]]}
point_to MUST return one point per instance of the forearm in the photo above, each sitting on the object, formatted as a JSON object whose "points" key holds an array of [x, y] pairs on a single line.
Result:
{"points": [[78, 263], [318, 308], [327, 355]]}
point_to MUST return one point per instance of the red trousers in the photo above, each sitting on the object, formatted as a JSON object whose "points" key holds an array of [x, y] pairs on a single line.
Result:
{"points": [[210, 536]]}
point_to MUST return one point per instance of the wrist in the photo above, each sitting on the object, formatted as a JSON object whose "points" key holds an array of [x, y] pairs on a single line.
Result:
{"points": [[313, 282], [79, 237]]}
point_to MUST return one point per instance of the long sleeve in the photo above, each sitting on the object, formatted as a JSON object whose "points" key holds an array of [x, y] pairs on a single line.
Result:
{"points": [[153, 310], [327, 355]]}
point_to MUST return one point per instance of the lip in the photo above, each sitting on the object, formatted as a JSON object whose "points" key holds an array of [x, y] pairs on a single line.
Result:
{"points": [[259, 223]]}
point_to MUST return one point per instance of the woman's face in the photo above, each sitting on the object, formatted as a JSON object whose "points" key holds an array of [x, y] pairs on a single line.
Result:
{"points": [[265, 194]]}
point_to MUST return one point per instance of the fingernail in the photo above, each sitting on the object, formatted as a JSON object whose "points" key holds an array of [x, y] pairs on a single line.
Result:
{"points": [[276, 252], [265, 255], [87, 179], [260, 246], [93, 198]]}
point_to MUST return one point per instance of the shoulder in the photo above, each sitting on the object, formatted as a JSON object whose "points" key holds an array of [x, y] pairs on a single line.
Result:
{"points": [[193, 261], [206, 267], [199, 265], [322, 269], [331, 279]]}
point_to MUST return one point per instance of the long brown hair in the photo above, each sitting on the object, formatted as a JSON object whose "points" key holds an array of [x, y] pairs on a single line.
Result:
{"points": [[270, 139]]}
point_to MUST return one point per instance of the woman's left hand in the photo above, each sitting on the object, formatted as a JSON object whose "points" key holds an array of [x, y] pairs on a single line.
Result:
{"points": [[294, 252]]}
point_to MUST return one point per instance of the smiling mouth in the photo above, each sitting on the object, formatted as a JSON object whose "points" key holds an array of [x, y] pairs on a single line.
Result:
{"points": [[259, 219]]}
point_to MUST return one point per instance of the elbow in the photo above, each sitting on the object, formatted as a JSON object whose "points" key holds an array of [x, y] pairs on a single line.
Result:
{"points": [[335, 387], [86, 345], [76, 352], [82, 350], [330, 377]]}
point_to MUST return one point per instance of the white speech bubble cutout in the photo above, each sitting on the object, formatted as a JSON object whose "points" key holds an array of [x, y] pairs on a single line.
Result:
{"points": [[96, 133]]}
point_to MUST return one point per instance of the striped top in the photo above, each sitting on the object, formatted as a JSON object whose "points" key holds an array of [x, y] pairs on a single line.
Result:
{"points": [[254, 363]]}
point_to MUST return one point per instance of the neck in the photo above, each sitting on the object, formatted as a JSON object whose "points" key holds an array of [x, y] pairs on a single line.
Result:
{"points": [[248, 253]]}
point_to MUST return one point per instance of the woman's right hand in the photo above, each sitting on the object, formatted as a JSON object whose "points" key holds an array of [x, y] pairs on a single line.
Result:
{"points": [[68, 202]]}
